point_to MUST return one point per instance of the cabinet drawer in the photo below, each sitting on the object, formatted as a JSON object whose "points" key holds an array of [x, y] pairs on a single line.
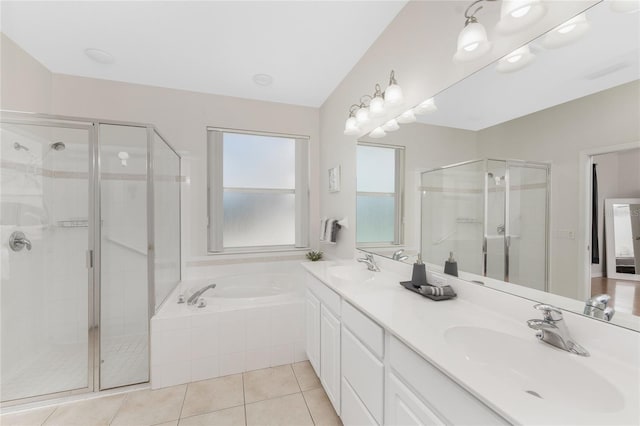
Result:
{"points": [[367, 331], [404, 408], [328, 297], [364, 372], [456, 405], [353, 410]]}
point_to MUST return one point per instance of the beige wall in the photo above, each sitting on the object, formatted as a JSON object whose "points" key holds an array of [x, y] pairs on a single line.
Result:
{"points": [[419, 45], [558, 135], [25, 84], [182, 117]]}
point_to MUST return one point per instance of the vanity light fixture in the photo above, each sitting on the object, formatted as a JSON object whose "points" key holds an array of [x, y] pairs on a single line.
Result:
{"points": [[519, 14], [472, 40], [567, 33], [390, 126], [378, 132], [374, 106], [516, 60], [407, 117], [425, 107], [625, 6]]}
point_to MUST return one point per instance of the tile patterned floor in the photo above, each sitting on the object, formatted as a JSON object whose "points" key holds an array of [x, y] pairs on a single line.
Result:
{"points": [[285, 395]]}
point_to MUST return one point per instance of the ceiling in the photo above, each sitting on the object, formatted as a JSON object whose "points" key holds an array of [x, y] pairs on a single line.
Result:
{"points": [[605, 57], [308, 47]]}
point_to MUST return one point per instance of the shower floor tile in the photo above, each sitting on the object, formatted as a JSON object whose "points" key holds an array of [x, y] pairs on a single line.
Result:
{"points": [[65, 367]]}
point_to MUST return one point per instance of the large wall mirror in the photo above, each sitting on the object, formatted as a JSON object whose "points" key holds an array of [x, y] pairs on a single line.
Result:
{"points": [[512, 170]]}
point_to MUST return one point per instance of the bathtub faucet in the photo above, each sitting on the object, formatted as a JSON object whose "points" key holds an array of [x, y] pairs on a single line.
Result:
{"points": [[193, 299]]}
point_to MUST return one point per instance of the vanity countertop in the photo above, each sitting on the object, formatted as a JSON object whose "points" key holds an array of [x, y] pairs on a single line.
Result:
{"points": [[480, 340]]}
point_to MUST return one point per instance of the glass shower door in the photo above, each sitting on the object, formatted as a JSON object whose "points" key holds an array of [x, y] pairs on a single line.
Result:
{"points": [[495, 264], [45, 289], [527, 201]]}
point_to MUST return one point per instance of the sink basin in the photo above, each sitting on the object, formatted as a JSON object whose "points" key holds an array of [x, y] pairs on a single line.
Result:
{"points": [[535, 368], [351, 274]]}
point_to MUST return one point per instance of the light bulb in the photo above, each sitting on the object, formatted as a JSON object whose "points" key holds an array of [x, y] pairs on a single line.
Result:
{"points": [[362, 115], [516, 15], [516, 60], [390, 126], [378, 132], [567, 32], [427, 106], [472, 43], [407, 117], [376, 106], [351, 126], [625, 6]]}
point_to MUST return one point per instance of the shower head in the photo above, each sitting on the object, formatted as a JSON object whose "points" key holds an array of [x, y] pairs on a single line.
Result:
{"points": [[58, 146], [18, 146]]}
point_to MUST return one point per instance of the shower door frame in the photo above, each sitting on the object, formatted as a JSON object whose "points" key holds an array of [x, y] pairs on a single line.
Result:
{"points": [[93, 251]]}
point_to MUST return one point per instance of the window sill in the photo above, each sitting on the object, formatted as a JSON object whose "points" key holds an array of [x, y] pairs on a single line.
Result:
{"points": [[239, 256]]}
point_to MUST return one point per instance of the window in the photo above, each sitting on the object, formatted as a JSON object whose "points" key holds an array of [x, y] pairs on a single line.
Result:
{"points": [[258, 191], [379, 194]]}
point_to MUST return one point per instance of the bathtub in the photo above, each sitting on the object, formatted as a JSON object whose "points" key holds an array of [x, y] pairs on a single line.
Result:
{"points": [[251, 321]]}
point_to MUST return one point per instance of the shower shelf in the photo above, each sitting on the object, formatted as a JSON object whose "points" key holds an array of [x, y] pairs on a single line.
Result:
{"points": [[73, 223]]}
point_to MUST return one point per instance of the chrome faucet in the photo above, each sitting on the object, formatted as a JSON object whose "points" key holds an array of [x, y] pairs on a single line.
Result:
{"points": [[18, 241], [597, 307], [193, 299], [553, 330], [370, 262], [399, 256]]}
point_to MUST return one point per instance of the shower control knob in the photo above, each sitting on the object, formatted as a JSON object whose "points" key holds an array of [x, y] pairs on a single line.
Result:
{"points": [[18, 241]]}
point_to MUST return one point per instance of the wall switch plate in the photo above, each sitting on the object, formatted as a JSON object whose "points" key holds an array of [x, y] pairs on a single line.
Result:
{"points": [[438, 279]]}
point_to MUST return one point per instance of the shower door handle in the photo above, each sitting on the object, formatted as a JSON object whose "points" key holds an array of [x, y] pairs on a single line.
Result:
{"points": [[484, 256], [89, 259]]}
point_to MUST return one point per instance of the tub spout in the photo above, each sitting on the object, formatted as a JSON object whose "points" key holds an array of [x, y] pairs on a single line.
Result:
{"points": [[193, 299]]}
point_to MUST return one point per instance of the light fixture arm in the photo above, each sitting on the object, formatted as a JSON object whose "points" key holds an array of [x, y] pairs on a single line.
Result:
{"points": [[471, 17]]}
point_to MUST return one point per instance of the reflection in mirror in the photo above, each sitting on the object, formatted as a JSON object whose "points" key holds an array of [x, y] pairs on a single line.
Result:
{"points": [[623, 238], [572, 102]]}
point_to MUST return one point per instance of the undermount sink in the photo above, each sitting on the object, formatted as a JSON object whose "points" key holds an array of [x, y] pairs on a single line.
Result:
{"points": [[532, 367], [351, 274]]}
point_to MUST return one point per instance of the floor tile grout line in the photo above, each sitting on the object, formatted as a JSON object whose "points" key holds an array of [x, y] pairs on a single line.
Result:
{"points": [[244, 401], [126, 396], [50, 414], [303, 397], [184, 398]]}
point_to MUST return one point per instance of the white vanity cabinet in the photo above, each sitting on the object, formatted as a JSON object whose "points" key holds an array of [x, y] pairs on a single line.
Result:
{"points": [[323, 336], [362, 368]]}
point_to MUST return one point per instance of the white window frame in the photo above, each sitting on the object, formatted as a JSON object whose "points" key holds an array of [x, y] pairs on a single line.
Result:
{"points": [[215, 192], [398, 195]]}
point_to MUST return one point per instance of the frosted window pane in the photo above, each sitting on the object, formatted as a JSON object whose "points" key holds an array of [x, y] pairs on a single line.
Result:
{"points": [[253, 219], [376, 169], [251, 161], [376, 219]]}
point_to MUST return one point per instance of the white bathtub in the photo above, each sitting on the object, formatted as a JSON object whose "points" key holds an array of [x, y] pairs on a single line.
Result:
{"points": [[251, 321]]}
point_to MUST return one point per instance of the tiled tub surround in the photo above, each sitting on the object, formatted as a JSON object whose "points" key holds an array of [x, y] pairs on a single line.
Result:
{"points": [[421, 326], [231, 334]]}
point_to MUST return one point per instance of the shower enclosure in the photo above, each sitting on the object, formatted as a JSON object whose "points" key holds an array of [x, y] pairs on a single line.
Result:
{"points": [[493, 215], [90, 230]]}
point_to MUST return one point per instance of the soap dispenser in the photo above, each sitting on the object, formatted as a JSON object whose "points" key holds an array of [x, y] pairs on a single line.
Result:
{"points": [[419, 276], [451, 266]]}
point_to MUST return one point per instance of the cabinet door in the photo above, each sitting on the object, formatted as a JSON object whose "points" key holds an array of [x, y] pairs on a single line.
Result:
{"points": [[330, 356], [404, 408], [312, 312]]}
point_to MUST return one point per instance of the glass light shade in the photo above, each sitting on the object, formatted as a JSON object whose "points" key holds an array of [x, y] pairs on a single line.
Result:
{"points": [[393, 95], [567, 33], [376, 106], [516, 15], [516, 60], [390, 126], [625, 6], [378, 132], [351, 127], [407, 117], [425, 107], [472, 43], [362, 115]]}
